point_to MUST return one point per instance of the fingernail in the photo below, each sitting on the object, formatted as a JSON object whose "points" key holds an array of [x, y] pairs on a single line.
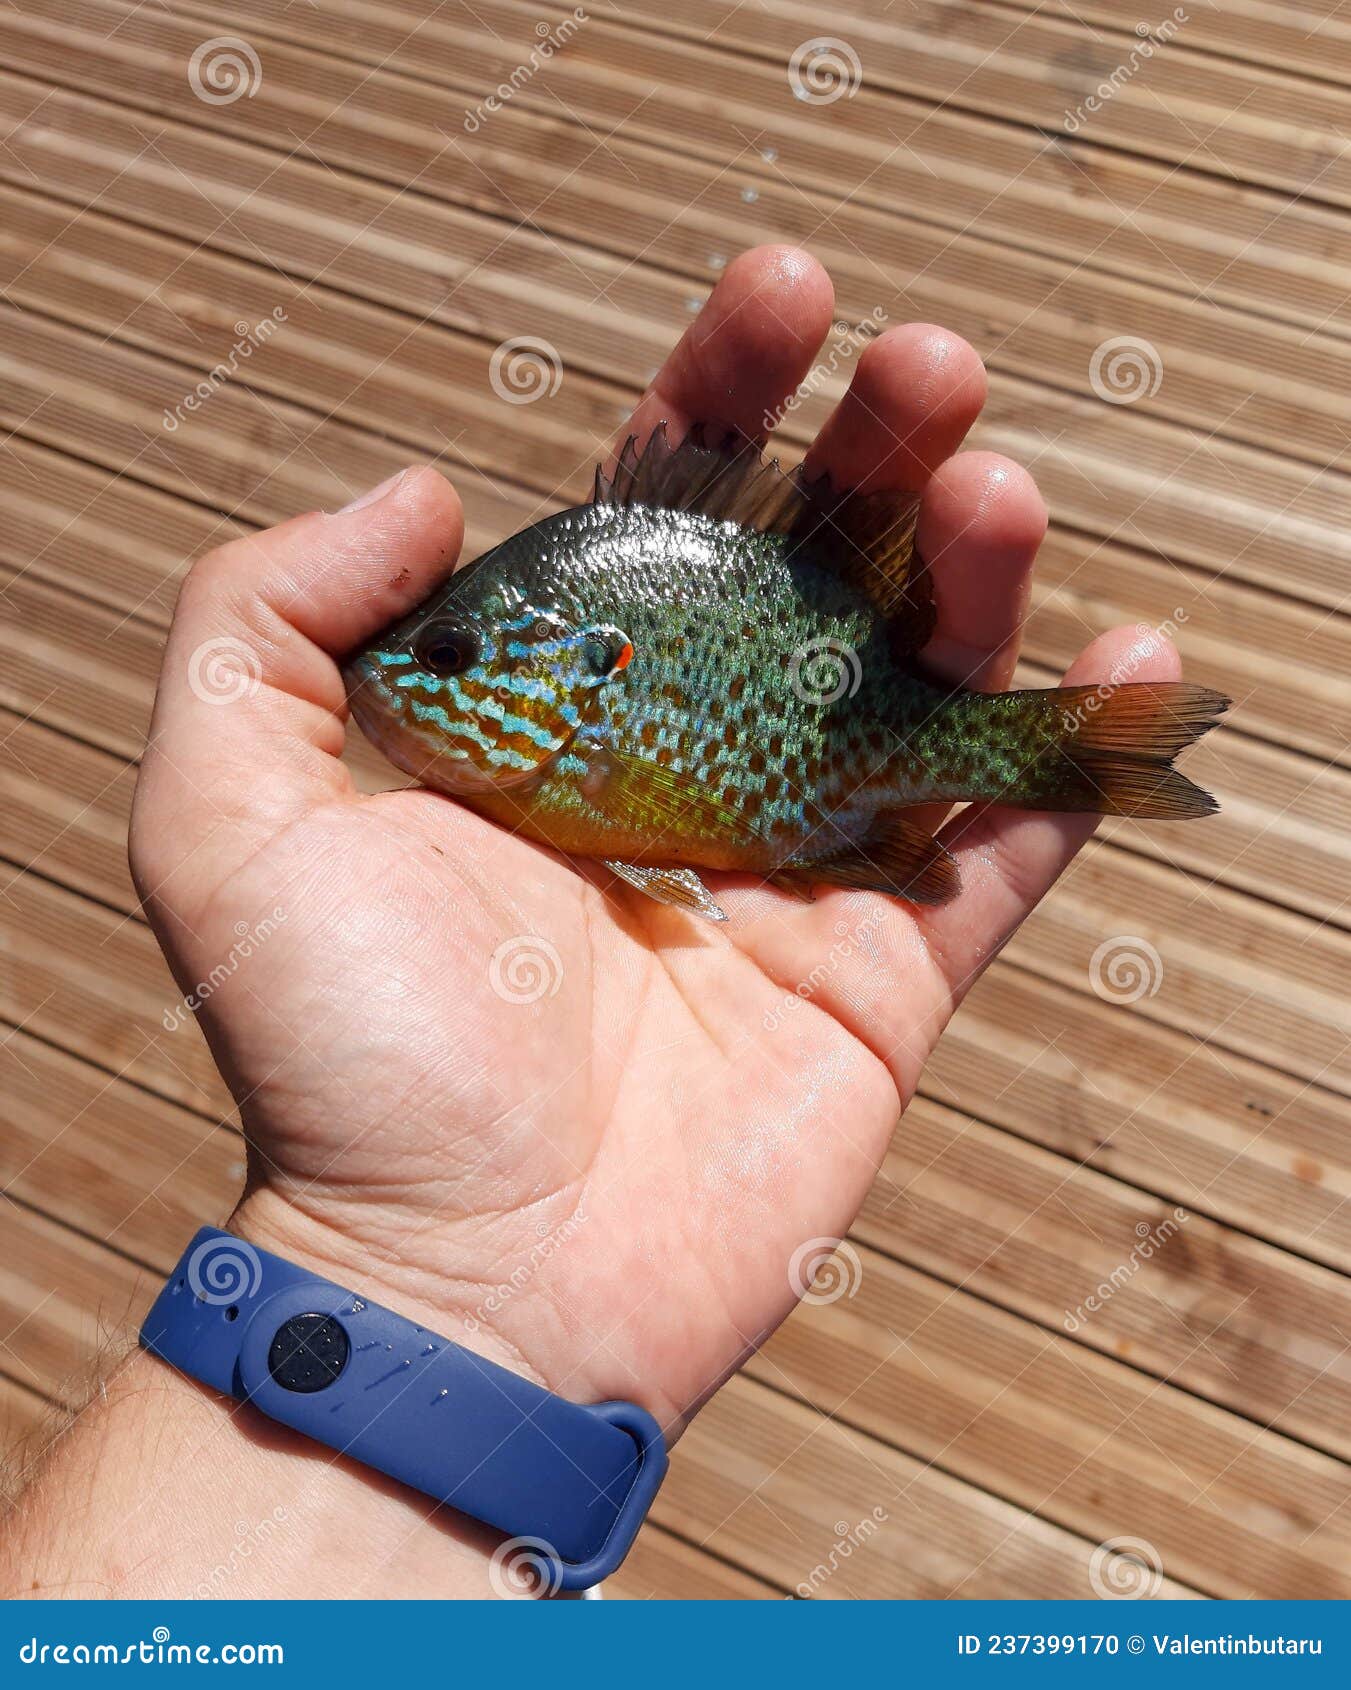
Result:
{"points": [[375, 493]]}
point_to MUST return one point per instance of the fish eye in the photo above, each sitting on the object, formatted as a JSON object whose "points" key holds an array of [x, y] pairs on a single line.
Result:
{"points": [[447, 648], [608, 650]]}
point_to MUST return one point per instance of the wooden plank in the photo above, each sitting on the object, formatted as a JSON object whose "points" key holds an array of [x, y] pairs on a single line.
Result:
{"points": [[93, 982], [1221, 966], [1207, 1126], [1283, 664], [1254, 127], [1124, 215], [793, 1496], [1105, 467], [1240, 1323], [1080, 1439], [66, 810], [120, 1164], [1269, 384], [65, 1301], [1309, 39], [1216, 1131]]}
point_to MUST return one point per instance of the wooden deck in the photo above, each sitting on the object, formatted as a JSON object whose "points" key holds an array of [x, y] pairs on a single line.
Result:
{"points": [[942, 1431]]}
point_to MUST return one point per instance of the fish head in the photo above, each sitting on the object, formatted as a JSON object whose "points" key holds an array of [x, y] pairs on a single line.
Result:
{"points": [[479, 688]]}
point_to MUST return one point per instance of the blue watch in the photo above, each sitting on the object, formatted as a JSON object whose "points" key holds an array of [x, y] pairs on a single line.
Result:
{"points": [[572, 1482]]}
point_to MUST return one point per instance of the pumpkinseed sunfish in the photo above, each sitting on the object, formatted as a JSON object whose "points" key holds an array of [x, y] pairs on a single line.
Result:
{"points": [[715, 665]]}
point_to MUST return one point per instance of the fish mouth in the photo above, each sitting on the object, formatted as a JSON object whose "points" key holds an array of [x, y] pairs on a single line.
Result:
{"points": [[383, 714]]}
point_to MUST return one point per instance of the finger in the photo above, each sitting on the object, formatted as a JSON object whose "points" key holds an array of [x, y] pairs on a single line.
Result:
{"points": [[746, 351], [1009, 859], [915, 392], [981, 524], [248, 721]]}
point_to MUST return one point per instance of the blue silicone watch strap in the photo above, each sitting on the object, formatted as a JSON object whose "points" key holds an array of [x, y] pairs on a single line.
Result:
{"points": [[575, 1480]]}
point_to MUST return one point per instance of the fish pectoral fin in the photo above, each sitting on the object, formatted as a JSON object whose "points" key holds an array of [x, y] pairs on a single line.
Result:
{"points": [[679, 887], [895, 857], [657, 802]]}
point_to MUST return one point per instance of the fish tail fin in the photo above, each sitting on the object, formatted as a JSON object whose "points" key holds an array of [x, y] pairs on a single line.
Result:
{"points": [[1105, 750]]}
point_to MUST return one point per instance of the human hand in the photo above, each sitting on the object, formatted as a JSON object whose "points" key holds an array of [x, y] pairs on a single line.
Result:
{"points": [[557, 1122]]}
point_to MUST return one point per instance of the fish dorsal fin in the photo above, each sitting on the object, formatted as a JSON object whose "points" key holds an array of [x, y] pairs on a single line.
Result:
{"points": [[869, 541], [718, 476]]}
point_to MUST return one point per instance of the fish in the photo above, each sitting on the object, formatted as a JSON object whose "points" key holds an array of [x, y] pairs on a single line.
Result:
{"points": [[717, 665]]}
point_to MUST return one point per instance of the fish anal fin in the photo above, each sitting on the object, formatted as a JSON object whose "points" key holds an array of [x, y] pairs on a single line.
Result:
{"points": [[679, 887], [896, 858]]}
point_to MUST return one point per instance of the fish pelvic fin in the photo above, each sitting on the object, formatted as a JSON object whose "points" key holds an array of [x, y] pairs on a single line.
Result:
{"points": [[1099, 749], [679, 887], [895, 856]]}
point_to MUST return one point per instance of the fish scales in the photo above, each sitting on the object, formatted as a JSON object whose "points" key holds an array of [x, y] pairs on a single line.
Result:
{"points": [[716, 666]]}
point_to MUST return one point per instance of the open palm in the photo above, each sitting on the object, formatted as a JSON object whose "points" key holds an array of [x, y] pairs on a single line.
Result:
{"points": [[600, 1140]]}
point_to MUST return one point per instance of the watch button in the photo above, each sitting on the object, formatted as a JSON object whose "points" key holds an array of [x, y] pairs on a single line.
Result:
{"points": [[308, 1353]]}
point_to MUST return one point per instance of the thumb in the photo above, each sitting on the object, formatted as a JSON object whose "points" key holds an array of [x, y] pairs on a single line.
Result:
{"points": [[248, 722]]}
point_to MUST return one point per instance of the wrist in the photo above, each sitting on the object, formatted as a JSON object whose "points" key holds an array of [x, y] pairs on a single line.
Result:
{"points": [[164, 1488], [486, 1285], [361, 1261]]}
